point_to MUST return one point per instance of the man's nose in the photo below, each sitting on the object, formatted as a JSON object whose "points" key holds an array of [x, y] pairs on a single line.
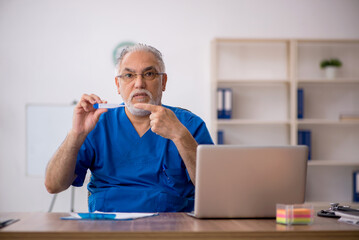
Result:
{"points": [[140, 81]]}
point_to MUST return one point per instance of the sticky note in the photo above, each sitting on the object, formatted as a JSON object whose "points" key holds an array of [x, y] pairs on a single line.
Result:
{"points": [[294, 214]]}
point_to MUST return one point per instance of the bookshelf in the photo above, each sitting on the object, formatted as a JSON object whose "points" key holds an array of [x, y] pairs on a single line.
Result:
{"points": [[264, 75]]}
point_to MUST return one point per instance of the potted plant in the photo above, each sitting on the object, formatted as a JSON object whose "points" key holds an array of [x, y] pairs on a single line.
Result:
{"points": [[330, 66]]}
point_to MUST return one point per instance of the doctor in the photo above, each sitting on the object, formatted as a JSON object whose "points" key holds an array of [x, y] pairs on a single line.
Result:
{"points": [[142, 157]]}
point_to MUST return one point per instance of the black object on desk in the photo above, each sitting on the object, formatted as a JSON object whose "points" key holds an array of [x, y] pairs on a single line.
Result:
{"points": [[7, 222], [335, 207]]}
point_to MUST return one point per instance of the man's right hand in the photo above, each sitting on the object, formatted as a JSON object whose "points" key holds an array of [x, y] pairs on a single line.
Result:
{"points": [[85, 116], [60, 172]]}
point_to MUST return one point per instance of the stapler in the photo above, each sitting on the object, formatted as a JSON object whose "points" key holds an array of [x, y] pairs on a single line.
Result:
{"points": [[335, 207]]}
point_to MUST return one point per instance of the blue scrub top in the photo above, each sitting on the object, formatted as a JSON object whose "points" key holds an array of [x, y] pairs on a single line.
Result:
{"points": [[137, 174]]}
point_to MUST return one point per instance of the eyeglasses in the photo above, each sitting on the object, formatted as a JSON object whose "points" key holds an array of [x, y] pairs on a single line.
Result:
{"points": [[148, 76]]}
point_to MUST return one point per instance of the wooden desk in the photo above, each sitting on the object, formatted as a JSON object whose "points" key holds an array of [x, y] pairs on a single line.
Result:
{"points": [[170, 226]]}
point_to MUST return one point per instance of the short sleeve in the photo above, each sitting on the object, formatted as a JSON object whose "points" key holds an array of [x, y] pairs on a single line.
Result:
{"points": [[199, 131], [202, 135]]}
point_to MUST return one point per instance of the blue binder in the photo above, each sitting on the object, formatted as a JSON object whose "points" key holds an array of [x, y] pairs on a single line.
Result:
{"points": [[304, 138], [220, 103], [300, 102], [224, 105], [220, 137], [356, 186], [228, 103]]}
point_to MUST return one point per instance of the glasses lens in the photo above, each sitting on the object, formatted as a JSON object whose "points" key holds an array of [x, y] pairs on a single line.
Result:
{"points": [[127, 76], [149, 75]]}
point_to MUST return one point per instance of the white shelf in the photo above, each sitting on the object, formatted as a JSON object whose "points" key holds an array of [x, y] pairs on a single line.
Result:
{"points": [[250, 122], [329, 81], [334, 163], [326, 122], [264, 75], [253, 81]]}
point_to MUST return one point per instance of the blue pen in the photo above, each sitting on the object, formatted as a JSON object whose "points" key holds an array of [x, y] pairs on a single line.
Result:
{"points": [[95, 216], [107, 105]]}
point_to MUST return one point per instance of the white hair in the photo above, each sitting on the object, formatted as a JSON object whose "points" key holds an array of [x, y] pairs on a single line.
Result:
{"points": [[140, 47]]}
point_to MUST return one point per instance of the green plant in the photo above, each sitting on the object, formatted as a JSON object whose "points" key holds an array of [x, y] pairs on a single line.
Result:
{"points": [[334, 62]]}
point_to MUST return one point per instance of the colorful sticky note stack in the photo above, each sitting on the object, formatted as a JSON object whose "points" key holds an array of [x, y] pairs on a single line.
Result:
{"points": [[282, 216], [302, 216], [294, 214]]}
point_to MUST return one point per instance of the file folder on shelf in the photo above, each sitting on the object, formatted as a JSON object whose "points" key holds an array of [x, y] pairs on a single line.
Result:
{"points": [[224, 107], [300, 103], [304, 138], [220, 137], [220, 100], [356, 186]]}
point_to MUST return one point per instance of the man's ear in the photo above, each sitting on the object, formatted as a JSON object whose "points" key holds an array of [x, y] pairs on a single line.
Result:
{"points": [[164, 82], [117, 85]]}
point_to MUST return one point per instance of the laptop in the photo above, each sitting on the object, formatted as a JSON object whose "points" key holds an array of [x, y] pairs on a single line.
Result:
{"points": [[248, 181]]}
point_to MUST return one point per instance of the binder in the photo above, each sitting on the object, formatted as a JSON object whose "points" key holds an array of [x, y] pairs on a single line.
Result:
{"points": [[300, 103], [220, 137], [220, 103], [224, 104], [308, 142], [304, 138], [228, 103], [356, 186]]}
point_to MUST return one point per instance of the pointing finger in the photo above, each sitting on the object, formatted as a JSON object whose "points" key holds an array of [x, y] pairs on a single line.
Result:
{"points": [[147, 107]]}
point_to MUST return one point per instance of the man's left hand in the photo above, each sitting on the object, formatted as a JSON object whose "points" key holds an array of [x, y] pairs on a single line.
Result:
{"points": [[163, 121]]}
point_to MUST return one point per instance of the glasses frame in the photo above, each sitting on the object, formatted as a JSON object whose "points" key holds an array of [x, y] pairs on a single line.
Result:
{"points": [[141, 74]]}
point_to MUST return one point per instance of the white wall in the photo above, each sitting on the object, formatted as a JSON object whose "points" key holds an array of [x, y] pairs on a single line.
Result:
{"points": [[52, 51]]}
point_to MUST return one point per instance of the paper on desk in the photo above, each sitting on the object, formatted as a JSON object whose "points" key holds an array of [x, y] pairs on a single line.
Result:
{"points": [[107, 216], [348, 217]]}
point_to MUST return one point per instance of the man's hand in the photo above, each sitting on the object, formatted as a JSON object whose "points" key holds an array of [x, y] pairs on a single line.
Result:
{"points": [[85, 116], [60, 172], [163, 121]]}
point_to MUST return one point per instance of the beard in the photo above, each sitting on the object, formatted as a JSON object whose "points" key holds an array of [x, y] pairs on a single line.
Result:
{"points": [[140, 112]]}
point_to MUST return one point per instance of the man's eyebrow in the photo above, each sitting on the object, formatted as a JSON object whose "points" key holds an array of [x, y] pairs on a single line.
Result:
{"points": [[128, 70], [144, 70], [149, 68]]}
